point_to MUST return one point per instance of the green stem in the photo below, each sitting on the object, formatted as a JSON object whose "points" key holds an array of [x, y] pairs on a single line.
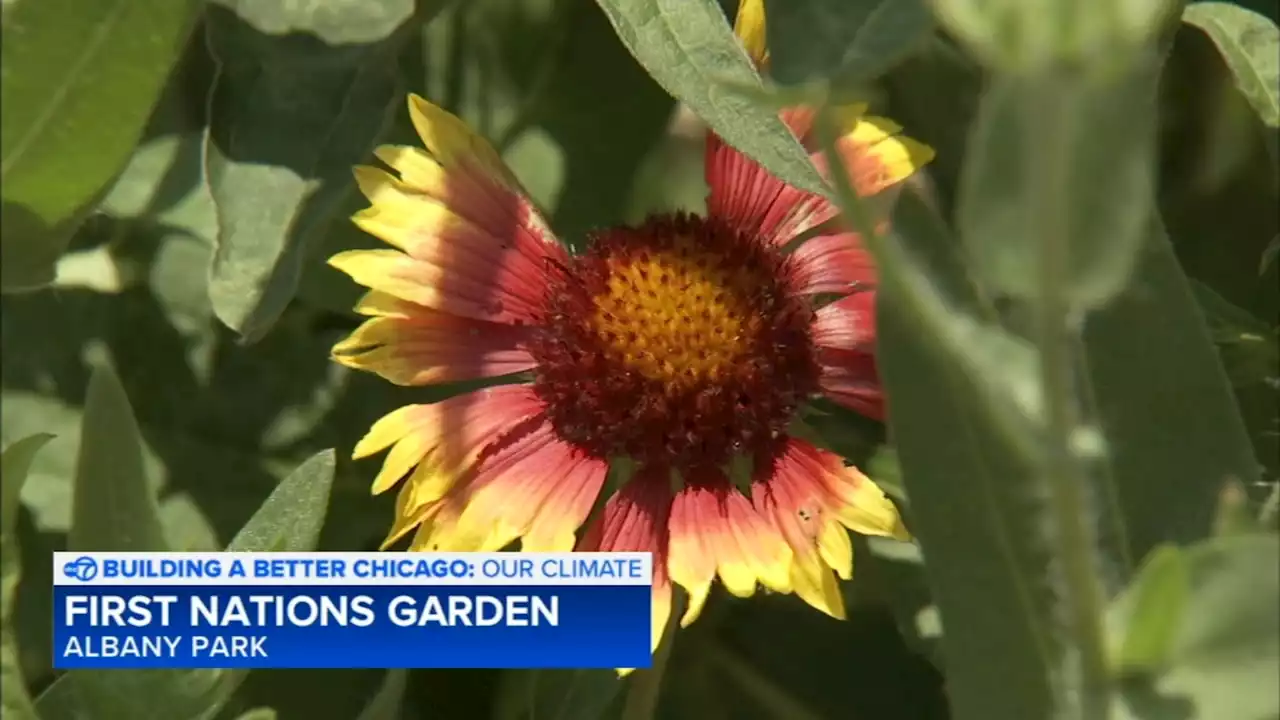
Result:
{"points": [[646, 685], [1087, 685]]}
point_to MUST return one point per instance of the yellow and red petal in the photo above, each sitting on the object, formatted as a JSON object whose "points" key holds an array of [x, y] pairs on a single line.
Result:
{"points": [[812, 499], [798, 506], [876, 155], [451, 141], [844, 335], [444, 439], [750, 199], [749, 26], [439, 531], [468, 241], [420, 220], [460, 151], [715, 531], [848, 323], [531, 486], [836, 263], [635, 519], [460, 286], [409, 344], [745, 195], [456, 204], [852, 379], [862, 506]]}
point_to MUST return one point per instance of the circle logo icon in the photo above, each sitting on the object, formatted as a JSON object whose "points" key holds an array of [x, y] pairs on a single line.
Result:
{"points": [[82, 568]]}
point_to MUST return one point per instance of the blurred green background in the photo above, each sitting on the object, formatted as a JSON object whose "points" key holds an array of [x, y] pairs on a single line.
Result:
{"points": [[261, 107]]}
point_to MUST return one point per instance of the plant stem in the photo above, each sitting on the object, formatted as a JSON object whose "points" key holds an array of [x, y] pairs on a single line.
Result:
{"points": [[1086, 691], [646, 685]]}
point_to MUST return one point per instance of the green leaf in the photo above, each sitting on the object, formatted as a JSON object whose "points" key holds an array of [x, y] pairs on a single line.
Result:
{"points": [[1225, 654], [1152, 609], [1250, 45], [690, 50], [563, 694], [986, 565], [1036, 147], [289, 521], [289, 118], [291, 518], [59, 701], [385, 704], [954, 410], [14, 465], [843, 41], [223, 424], [1249, 348], [80, 80], [262, 713], [1269, 255], [114, 507], [1167, 474]]}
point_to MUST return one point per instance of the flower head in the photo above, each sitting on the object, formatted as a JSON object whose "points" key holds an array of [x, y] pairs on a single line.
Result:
{"points": [[678, 352]]}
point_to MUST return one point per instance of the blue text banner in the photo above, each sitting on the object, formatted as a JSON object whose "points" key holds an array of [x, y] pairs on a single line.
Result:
{"points": [[352, 610]]}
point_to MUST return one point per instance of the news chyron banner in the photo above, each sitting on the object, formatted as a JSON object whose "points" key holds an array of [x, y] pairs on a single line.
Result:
{"points": [[352, 610]]}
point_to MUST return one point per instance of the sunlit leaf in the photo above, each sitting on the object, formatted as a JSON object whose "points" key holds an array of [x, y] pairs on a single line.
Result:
{"points": [[14, 465], [80, 80], [289, 117], [1224, 655], [1250, 45], [114, 509], [114, 506], [1152, 610], [291, 518], [689, 48], [289, 521]]}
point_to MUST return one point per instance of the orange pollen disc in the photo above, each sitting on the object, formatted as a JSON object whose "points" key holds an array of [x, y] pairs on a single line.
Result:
{"points": [[679, 343], [678, 315]]}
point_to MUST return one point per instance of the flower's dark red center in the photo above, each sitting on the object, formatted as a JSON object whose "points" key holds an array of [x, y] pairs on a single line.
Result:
{"points": [[679, 342]]}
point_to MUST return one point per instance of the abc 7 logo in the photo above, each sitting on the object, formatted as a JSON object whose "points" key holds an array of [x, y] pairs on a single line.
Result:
{"points": [[83, 569]]}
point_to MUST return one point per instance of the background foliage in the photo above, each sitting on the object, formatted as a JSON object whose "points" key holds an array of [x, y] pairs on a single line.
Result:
{"points": [[1102, 208]]}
